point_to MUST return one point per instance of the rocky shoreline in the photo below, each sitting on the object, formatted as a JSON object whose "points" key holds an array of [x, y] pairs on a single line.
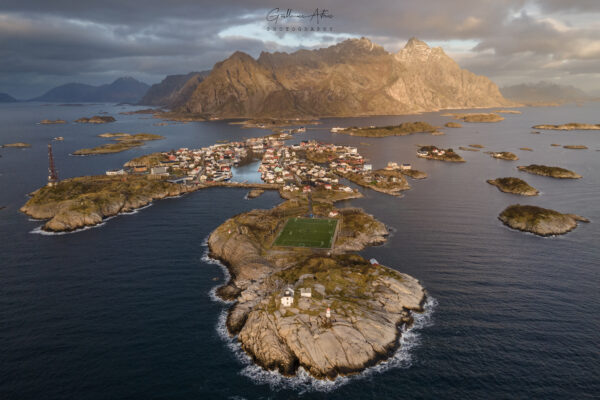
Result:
{"points": [[370, 303]]}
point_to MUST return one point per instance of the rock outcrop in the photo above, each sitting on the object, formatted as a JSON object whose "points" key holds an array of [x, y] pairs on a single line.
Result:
{"points": [[571, 126], [540, 221], [368, 302], [86, 201], [354, 77], [514, 186], [504, 155], [96, 119], [553, 172]]}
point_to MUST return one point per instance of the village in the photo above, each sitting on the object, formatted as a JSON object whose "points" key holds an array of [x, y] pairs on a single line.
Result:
{"points": [[302, 167]]}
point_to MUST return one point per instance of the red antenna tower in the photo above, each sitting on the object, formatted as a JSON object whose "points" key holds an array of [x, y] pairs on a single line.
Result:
{"points": [[52, 174]]}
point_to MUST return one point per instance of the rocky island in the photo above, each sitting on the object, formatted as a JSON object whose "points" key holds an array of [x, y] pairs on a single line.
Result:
{"points": [[452, 125], [96, 119], [51, 122], [476, 117], [540, 221], [17, 145], [254, 193], [121, 142], [571, 126], [513, 185], [382, 180], [433, 153], [553, 172], [575, 147], [504, 155], [273, 123], [403, 129], [328, 312], [85, 201], [508, 111]]}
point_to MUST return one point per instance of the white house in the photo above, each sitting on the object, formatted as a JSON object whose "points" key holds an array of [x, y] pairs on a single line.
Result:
{"points": [[406, 167], [305, 292], [288, 297]]}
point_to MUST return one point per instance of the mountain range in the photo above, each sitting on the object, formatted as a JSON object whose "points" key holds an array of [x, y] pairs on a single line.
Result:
{"points": [[7, 98], [122, 90], [354, 77], [544, 92]]}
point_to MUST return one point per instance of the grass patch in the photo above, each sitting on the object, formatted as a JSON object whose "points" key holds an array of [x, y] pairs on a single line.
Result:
{"points": [[307, 232]]}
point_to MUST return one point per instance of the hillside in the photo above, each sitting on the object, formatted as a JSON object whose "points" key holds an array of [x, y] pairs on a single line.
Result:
{"points": [[122, 90], [171, 89], [7, 98], [354, 77], [544, 93]]}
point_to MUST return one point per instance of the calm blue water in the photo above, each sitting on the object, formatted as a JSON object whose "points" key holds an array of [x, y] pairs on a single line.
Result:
{"points": [[124, 310]]}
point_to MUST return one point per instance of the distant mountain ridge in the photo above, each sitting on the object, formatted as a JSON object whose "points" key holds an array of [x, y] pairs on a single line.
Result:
{"points": [[173, 90], [544, 92], [7, 98], [354, 77], [122, 90]]}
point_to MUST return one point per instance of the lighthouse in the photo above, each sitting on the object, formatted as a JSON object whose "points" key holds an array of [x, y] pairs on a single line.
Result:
{"points": [[328, 313]]}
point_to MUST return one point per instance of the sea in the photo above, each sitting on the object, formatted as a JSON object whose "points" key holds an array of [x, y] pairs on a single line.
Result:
{"points": [[126, 310]]}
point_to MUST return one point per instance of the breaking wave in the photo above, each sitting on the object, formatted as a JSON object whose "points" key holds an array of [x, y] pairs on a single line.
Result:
{"points": [[206, 258]]}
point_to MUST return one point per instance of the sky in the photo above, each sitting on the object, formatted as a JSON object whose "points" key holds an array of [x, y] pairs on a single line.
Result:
{"points": [[47, 43]]}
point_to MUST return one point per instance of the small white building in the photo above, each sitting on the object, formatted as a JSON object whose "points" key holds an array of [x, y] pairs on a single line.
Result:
{"points": [[367, 167], [405, 167], [305, 292], [288, 297]]}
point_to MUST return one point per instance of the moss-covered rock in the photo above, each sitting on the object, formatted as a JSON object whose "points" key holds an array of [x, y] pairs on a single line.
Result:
{"points": [[553, 172], [513, 185], [538, 220]]}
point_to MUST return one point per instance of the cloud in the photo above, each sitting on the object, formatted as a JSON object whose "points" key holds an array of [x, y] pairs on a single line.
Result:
{"points": [[45, 43]]}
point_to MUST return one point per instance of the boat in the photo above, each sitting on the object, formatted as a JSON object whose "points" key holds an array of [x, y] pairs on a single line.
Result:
{"points": [[59, 138]]}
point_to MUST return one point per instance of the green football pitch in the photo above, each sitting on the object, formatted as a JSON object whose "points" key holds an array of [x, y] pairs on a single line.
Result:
{"points": [[307, 232]]}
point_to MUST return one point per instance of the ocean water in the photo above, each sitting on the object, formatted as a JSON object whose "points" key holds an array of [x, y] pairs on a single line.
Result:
{"points": [[127, 309]]}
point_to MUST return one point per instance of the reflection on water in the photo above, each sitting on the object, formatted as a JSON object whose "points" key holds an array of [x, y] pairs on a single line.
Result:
{"points": [[247, 173]]}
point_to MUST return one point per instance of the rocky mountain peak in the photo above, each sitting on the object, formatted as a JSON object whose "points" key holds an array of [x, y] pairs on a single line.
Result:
{"points": [[362, 45], [418, 51], [353, 77], [414, 43]]}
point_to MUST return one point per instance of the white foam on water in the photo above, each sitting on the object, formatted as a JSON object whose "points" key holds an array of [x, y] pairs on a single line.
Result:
{"points": [[40, 231], [206, 258], [136, 210]]}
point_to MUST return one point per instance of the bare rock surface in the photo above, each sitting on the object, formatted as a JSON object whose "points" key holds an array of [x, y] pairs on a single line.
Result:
{"points": [[368, 302]]}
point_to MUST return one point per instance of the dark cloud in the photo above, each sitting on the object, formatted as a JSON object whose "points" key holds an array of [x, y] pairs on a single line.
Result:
{"points": [[44, 43]]}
